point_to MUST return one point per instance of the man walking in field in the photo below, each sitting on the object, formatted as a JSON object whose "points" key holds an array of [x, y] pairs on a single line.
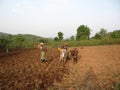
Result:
{"points": [[63, 52], [66, 46], [43, 52]]}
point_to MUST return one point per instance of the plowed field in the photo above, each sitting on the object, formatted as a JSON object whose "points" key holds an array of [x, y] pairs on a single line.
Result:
{"points": [[98, 67]]}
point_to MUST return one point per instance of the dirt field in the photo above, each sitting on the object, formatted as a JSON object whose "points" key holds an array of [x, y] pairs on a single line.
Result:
{"points": [[98, 68]]}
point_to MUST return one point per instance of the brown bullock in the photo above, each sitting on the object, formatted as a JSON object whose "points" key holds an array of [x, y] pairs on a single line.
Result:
{"points": [[74, 54]]}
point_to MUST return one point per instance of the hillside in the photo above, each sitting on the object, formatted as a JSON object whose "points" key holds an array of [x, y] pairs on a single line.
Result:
{"points": [[27, 36], [3, 34]]}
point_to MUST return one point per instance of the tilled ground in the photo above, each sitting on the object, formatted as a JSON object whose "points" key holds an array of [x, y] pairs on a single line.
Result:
{"points": [[24, 71], [98, 68]]}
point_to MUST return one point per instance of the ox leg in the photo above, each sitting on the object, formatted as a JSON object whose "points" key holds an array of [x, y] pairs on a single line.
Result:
{"points": [[75, 59], [61, 59]]}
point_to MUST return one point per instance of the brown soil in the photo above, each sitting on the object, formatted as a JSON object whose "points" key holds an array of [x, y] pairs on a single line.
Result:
{"points": [[98, 67]]}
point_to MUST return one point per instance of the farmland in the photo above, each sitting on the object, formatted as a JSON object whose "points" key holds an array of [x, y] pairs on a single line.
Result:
{"points": [[97, 68]]}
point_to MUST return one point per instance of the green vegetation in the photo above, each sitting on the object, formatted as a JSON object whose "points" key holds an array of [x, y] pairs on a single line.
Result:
{"points": [[8, 41], [5, 42], [83, 32], [60, 37], [101, 34], [82, 38]]}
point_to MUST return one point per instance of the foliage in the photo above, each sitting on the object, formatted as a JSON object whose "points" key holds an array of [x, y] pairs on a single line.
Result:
{"points": [[110, 35], [91, 42], [60, 36], [5, 42], [56, 39], [72, 38], [97, 36], [43, 40], [115, 34], [83, 32], [28, 41], [101, 34], [19, 39], [117, 87]]}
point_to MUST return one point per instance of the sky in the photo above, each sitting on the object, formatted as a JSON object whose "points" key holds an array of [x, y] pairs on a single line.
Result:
{"points": [[48, 17]]}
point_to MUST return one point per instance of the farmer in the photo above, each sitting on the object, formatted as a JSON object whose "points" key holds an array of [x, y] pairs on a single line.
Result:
{"points": [[43, 52], [59, 47], [66, 46]]}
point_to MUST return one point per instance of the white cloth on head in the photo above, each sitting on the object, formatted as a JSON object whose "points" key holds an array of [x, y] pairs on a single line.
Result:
{"points": [[41, 43]]}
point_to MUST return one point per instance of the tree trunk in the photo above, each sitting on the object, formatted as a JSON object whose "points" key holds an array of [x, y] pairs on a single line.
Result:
{"points": [[7, 50]]}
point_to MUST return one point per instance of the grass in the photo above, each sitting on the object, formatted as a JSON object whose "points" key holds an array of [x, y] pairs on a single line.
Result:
{"points": [[91, 42], [71, 43]]}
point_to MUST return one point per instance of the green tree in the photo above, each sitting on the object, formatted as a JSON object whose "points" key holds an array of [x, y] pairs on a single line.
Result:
{"points": [[72, 38], [5, 41], [60, 36], [56, 39], [97, 36], [9, 40], [83, 32], [43, 40], [115, 34], [19, 39], [101, 34]]}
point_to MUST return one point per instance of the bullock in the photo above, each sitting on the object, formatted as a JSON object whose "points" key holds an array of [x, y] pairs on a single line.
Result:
{"points": [[63, 55], [74, 54]]}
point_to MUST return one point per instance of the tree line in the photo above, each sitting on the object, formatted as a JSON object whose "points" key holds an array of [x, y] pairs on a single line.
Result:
{"points": [[8, 41], [27, 41], [83, 33]]}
